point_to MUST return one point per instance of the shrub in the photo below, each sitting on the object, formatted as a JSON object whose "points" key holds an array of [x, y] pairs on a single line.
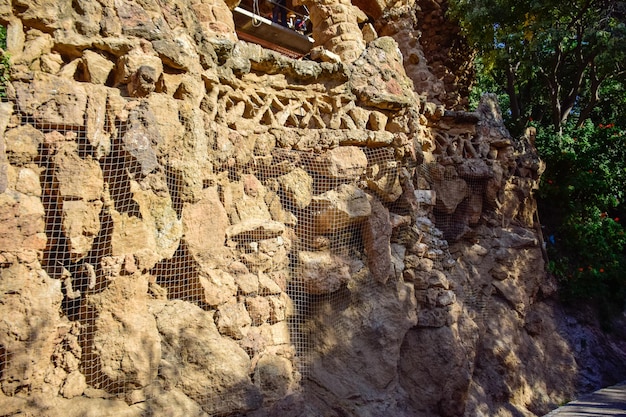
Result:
{"points": [[581, 201]]}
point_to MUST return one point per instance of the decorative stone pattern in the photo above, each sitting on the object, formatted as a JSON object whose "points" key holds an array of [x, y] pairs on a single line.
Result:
{"points": [[194, 225]]}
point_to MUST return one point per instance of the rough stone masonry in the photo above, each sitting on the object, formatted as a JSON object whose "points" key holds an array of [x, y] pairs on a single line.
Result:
{"points": [[193, 225]]}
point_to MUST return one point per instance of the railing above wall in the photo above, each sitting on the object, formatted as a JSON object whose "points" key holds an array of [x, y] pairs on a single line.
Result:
{"points": [[260, 30]]}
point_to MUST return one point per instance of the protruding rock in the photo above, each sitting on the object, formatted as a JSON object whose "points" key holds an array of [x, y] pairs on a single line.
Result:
{"points": [[321, 272], [204, 364], [339, 208]]}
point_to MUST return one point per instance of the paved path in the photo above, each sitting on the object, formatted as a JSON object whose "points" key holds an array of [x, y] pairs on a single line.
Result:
{"points": [[605, 402]]}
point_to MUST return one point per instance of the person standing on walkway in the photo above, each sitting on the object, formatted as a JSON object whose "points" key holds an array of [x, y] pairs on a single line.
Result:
{"points": [[280, 11]]}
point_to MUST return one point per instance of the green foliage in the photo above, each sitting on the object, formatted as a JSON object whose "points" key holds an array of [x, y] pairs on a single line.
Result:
{"points": [[559, 66], [581, 198], [4, 61], [551, 58]]}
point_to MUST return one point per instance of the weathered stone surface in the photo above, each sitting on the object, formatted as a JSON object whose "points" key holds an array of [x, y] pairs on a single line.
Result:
{"points": [[178, 51], [321, 272], [258, 309], [377, 242], [344, 162], [52, 101], [81, 224], [298, 187], [172, 402], [29, 316], [335, 27], [157, 214], [168, 161], [448, 395], [274, 376], [22, 144], [255, 230], [218, 286], [129, 234], [380, 80], [95, 122], [337, 209], [74, 385], [383, 179], [96, 68], [25, 181], [450, 193], [126, 340], [76, 177], [203, 363], [23, 222], [130, 64], [196, 228], [233, 320]]}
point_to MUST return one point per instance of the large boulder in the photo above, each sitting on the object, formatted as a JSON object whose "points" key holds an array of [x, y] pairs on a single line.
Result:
{"points": [[125, 342], [208, 367]]}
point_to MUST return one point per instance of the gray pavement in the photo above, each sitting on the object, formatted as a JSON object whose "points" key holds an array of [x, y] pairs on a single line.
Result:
{"points": [[609, 401]]}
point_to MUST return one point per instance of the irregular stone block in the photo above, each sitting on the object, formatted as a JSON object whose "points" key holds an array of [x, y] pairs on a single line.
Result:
{"points": [[233, 320], [52, 101], [344, 162], [29, 317], [96, 67], [218, 286], [23, 224], [322, 272], [297, 186], [22, 144], [449, 194], [428, 197], [81, 225], [26, 181], [339, 208], [255, 229], [77, 177], [129, 234], [274, 375], [206, 217], [377, 241], [206, 364], [97, 135], [258, 309], [126, 341]]}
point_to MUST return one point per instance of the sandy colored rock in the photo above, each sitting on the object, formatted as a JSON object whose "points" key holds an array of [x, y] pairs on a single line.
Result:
{"points": [[377, 242], [77, 177], [218, 286], [29, 316], [345, 162], [340, 208], [189, 227], [233, 320], [274, 376], [321, 272], [22, 144], [207, 363], [81, 224], [96, 67], [126, 340], [23, 222], [298, 187], [52, 101]]}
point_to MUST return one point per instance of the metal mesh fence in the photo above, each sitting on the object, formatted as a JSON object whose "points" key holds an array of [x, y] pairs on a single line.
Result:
{"points": [[212, 234], [117, 247]]}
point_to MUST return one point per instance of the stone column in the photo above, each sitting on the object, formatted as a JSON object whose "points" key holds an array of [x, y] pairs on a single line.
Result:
{"points": [[336, 27]]}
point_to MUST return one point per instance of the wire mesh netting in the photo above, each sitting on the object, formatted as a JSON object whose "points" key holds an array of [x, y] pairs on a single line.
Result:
{"points": [[214, 247], [259, 257]]}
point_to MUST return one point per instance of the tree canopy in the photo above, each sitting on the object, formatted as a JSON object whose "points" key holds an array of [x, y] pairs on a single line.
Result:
{"points": [[553, 59], [561, 67]]}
